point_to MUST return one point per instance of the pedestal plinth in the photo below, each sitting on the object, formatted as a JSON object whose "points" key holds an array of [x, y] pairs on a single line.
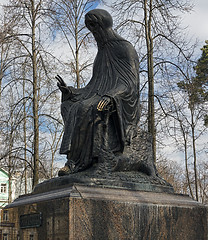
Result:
{"points": [[80, 212]]}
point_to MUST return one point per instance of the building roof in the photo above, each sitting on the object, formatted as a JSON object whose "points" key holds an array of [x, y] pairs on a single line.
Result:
{"points": [[4, 172]]}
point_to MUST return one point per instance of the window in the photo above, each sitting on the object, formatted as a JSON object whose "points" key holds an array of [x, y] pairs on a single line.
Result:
{"points": [[31, 237], [5, 236], [3, 187], [6, 215]]}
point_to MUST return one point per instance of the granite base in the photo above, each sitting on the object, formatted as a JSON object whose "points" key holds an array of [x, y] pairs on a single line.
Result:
{"points": [[84, 212]]}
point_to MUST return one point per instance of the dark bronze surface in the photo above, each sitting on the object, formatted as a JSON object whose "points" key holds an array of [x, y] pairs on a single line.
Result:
{"points": [[101, 119]]}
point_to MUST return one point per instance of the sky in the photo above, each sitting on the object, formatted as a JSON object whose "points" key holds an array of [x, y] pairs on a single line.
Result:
{"points": [[197, 23], [197, 20]]}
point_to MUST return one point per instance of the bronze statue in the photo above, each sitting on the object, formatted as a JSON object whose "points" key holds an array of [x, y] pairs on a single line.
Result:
{"points": [[101, 117]]}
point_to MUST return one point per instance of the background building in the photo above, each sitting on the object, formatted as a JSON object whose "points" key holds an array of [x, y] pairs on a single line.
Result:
{"points": [[6, 220]]}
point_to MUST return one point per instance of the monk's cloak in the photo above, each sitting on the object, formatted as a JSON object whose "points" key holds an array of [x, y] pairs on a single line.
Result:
{"points": [[115, 74]]}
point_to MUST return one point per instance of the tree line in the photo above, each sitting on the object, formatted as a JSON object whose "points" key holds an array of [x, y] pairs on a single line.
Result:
{"points": [[173, 87]]}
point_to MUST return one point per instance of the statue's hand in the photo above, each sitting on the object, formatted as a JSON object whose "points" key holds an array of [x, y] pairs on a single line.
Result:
{"points": [[62, 85], [103, 103]]}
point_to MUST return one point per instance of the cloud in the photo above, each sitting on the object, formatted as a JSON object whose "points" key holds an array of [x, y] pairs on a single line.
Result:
{"points": [[197, 20]]}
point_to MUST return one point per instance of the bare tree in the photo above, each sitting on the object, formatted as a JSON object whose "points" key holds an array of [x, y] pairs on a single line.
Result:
{"points": [[184, 120], [172, 172], [29, 16], [5, 49], [154, 25], [68, 16]]}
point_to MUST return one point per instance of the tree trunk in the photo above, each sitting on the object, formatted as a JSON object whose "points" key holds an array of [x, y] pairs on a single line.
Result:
{"points": [[1, 69], [35, 103], [149, 43], [186, 161], [25, 136], [11, 140], [77, 47], [194, 151], [10, 165]]}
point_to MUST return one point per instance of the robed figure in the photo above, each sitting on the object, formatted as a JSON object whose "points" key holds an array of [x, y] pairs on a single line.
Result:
{"points": [[104, 114]]}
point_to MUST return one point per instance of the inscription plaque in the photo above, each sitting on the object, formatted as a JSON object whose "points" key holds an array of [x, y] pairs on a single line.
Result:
{"points": [[31, 220]]}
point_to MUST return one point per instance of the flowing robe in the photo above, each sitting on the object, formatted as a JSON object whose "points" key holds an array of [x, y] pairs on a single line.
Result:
{"points": [[115, 74]]}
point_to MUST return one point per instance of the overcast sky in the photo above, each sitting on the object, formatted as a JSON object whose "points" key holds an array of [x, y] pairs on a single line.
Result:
{"points": [[198, 20]]}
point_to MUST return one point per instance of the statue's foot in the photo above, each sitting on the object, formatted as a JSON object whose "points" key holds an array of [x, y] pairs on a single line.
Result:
{"points": [[64, 171]]}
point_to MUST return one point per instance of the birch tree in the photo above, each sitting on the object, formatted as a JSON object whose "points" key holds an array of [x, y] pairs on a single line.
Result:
{"points": [[29, 17], [68, 17], [155, 25]]}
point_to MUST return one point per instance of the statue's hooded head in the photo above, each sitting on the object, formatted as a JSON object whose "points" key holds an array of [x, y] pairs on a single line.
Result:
{"points": [[100, 23], [98, 19]]}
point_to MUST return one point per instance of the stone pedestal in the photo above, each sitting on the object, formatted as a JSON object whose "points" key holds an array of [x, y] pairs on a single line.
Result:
{"points": [[80, 212]]}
